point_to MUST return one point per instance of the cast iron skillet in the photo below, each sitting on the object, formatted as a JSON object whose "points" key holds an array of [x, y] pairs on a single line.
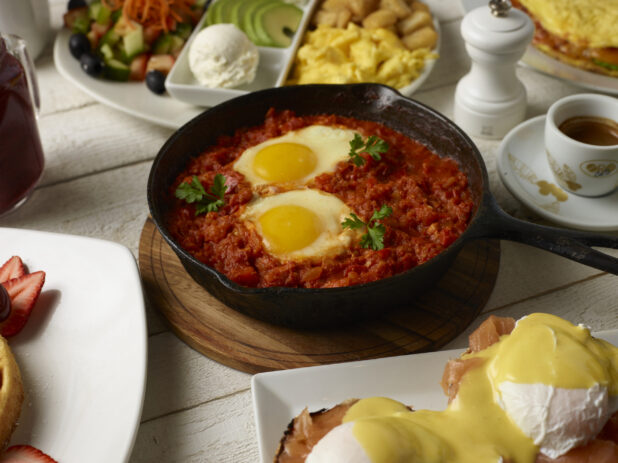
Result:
{"points": [[305, 308]]}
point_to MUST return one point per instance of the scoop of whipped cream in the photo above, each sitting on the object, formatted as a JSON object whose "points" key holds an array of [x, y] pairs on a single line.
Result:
{"points": [[221, 56]]}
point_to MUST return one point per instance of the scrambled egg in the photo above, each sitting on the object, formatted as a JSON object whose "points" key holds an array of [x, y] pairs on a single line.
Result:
{"points": [[589, 22], [353, 55]]}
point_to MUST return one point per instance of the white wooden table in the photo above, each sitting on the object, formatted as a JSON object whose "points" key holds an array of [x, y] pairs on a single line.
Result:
{"points": [[196, 410]]}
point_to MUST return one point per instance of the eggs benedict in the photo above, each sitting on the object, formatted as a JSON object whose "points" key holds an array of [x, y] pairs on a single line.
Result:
{"points": [[539, 390]]}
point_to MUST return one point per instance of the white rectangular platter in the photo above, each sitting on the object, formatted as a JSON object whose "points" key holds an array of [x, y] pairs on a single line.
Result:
{"points": [[412, 379]]}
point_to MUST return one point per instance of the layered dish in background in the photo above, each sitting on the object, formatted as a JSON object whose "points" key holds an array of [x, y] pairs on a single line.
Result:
{"points": [[581, 33], [537, 390]]}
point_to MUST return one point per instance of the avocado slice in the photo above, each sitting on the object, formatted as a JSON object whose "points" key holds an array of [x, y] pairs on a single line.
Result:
{"points": [[239, 11], [248, 19], [221, 11], [277, 23], [225, 12], [212, 13]]}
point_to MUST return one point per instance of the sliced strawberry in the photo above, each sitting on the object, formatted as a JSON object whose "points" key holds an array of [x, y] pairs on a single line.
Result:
{"points": [[25, 454], [12, 268], [24, 292], [161, 63], [138, 67]]}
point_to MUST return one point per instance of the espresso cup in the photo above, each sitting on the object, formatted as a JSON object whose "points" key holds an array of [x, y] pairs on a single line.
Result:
{"points": [[582, 168]]}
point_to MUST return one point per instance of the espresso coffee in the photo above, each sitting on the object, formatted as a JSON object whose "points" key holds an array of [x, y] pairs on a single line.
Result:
{"points": [[591, 130]]}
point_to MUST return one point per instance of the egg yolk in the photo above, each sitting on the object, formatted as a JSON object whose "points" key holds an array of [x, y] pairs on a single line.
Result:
{"points": [[289, 228], [284, 162]]}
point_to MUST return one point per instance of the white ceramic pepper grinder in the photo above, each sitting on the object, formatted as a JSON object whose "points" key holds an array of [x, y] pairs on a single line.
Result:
{"points": [[490, 99]]}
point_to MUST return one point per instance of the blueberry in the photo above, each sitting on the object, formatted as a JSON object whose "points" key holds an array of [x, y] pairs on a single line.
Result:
{"points": [[155, 81], [91, 64], [76, 4], [78, 45]]}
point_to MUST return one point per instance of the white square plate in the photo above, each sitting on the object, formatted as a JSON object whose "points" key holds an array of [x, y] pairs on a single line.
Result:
{"points": [[82, 353], [412, 379]]}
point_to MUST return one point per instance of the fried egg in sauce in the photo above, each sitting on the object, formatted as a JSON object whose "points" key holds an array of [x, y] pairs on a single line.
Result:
{"points": [[295, 157], [301, 224]]}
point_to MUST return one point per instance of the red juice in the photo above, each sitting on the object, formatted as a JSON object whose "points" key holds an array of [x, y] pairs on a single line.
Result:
{"points": [[21, 154]]}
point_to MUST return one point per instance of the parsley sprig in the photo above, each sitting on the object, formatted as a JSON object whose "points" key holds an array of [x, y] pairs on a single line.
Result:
{"points": [[374, 238], [194, 192], [374, 147]]}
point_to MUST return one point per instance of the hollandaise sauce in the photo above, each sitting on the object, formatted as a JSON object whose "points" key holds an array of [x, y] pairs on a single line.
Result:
{"points": [[474, 428]]}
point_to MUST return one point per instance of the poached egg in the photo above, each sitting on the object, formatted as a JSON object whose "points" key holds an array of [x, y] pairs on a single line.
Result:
{"points": [[549, 386]]}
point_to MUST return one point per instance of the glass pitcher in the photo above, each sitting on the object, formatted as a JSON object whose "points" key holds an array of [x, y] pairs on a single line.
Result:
{"points": [[21, 153]]}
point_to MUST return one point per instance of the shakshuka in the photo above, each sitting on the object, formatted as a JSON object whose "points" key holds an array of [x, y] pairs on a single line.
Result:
{"points": [[310, 201]]}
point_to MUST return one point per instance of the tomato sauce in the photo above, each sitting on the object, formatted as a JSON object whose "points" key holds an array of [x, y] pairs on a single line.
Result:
{"points": [[431, 201]]}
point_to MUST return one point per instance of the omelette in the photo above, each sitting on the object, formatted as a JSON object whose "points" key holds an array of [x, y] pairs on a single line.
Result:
{"points": [[582, 33]]}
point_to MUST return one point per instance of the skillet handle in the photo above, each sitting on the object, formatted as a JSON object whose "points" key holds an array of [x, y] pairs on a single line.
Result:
{"points": [[572, 244]]}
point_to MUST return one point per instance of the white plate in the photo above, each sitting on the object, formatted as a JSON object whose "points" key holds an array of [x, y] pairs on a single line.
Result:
{"points": [[412, 379], [273, 69], [522, 164], [82, 353], [131, 97], [548, 65]]}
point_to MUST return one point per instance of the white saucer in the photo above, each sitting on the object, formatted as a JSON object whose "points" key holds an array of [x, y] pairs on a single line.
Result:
{"points": [[523, 169]]}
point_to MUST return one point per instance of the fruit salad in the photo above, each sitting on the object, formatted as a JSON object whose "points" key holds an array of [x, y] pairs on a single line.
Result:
{"points": [[130, 40]]}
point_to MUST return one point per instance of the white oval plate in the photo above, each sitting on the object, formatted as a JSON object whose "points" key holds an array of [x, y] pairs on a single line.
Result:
{"points": [[82, 353], [546, 64], [279, 396], [522, 163], [133, 98]]}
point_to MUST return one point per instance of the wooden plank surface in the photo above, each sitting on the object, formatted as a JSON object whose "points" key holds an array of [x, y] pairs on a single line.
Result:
{"points": [[427, 322], [195, 409]]}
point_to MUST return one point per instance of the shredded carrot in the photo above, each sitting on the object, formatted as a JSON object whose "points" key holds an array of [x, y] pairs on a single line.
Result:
{"points": [[159, 14]]}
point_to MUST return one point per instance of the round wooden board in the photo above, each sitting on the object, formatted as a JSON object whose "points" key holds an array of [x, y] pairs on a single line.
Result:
{"points": [[241, 342]]}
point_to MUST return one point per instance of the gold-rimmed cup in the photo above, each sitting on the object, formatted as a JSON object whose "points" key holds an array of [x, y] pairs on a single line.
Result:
{"points": [[580, 131]]}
